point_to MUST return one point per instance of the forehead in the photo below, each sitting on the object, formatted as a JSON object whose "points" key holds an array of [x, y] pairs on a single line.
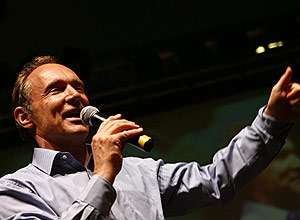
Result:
{"points": [[51, 72]]}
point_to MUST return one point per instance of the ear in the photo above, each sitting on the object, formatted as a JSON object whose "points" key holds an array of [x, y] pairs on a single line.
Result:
{"points": [[23, 118]]}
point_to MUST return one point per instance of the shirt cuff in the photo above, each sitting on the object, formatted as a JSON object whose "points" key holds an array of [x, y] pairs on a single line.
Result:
{"points": [[100, 194], [273, 126]]}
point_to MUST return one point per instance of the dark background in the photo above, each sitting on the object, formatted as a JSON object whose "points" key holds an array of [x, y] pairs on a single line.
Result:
{"points": [[144, 58], [140, 57]]}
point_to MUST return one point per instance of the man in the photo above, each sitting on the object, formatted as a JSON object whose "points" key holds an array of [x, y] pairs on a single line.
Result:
{"points": [[64, 181]]}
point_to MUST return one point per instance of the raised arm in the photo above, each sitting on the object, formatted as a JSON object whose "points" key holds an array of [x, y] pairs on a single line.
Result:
{"points": [[191, 186]]}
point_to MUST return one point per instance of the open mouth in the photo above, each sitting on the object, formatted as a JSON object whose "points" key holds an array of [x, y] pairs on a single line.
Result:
{"points": [[74, 114]]}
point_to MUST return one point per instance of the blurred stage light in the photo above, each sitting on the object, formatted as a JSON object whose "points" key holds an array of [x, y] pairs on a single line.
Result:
{"points": [[260, 49], [275, 44]]}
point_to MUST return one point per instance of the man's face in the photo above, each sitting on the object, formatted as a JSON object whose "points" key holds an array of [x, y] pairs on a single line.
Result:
{"points": [[57, 96]]}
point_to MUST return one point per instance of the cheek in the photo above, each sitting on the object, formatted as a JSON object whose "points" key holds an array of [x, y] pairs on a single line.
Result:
{"points": [[54, 104], [47, 111]]}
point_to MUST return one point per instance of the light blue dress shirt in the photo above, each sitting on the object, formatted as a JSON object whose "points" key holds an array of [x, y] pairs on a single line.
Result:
{"points": [[56, 186]]}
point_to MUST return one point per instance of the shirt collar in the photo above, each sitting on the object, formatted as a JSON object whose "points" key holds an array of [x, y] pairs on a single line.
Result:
{"points": [[55, 162]]}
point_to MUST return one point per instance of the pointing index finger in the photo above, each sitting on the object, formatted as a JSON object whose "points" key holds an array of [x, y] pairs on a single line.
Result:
{"points": [[285, 79]]}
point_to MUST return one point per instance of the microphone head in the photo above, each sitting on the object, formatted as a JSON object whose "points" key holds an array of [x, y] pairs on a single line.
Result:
{"points": [[87, 113]]}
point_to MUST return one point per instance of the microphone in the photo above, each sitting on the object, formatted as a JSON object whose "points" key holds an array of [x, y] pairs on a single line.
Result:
{"points": [[91, 116]]}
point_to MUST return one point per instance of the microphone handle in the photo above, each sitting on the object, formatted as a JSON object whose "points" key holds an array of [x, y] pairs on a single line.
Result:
{"points": [[142, 141]]}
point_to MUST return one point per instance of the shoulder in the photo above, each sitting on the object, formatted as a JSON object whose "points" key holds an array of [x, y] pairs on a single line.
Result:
{"points": [[21, 178]]}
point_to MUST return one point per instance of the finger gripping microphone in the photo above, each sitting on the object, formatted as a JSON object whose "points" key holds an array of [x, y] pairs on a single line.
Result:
{"points": [[91, 116]]}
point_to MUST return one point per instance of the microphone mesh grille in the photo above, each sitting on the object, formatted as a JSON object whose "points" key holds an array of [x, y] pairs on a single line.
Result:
{"points": [[87, 113]]}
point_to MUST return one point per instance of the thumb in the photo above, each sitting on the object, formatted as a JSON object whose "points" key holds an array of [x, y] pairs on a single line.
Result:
{"points": [[285, 79]]}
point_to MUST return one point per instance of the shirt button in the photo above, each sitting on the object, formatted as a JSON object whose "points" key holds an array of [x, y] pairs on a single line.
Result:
{"points": [[64, 157]]}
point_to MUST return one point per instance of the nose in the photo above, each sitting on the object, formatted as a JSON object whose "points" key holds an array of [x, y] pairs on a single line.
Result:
{"points": [[72, 96]]}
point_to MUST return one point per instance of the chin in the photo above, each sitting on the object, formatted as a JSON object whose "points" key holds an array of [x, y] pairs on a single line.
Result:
{"points": [[78, 130], [81, 131]]}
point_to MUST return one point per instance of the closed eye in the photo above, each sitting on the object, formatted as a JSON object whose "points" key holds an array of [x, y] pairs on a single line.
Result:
{"points": [[55, 90], [80, 89]]}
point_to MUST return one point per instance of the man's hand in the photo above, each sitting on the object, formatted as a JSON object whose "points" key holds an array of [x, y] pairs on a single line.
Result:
{"points": [[108, 144], [284, 101]]}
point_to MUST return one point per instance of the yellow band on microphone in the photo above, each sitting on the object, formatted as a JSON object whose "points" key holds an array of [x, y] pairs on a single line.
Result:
{"points": [[143, 139]]}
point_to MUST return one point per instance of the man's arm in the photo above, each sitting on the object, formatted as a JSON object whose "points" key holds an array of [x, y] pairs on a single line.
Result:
{"points": [[188, 187]]}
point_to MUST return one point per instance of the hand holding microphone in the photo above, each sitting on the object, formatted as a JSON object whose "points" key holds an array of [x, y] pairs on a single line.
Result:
{"points": [[91, 116]]}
